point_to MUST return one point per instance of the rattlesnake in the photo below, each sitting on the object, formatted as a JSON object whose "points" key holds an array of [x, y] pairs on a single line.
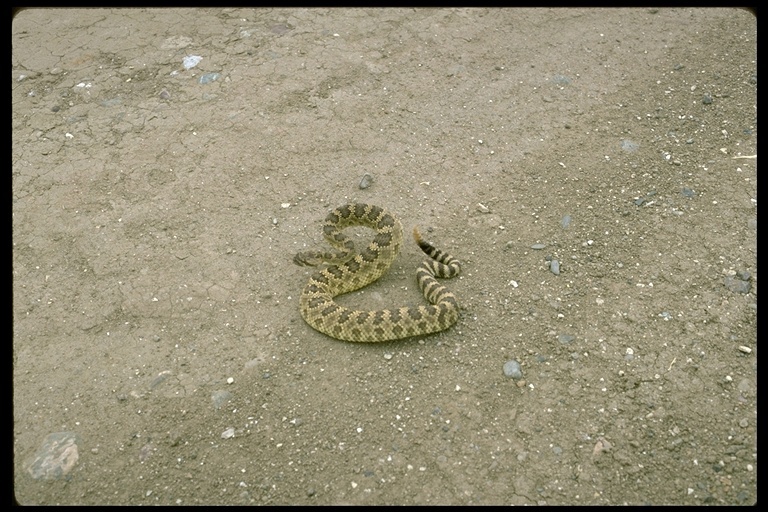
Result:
{"points": [[349, 270]]}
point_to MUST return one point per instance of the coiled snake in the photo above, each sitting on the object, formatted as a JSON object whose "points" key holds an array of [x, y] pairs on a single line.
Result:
{"points": [[350, 270]]}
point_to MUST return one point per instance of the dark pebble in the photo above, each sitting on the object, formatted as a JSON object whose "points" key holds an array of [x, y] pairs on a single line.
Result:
{"points": [[737, 285], [366, 181]]}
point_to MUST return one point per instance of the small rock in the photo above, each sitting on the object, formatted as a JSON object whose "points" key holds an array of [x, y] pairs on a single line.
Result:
{"points": [[161, 377], [687, 192], [229, 433], [366, 181], [737, 285], [538, 247], [512, 369], [56, 456], [554, 267], [601, 446], [208, 78], [220, 397], [191, 61], [707, 99], [565, 338], [629, 146]]}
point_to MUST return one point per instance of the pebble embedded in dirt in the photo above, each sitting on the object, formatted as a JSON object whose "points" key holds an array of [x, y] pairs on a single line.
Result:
{"points": [[208, 78], [191, 61], [737, 285], [56, 456], [365, 181], [220, 397], [512, 369]]}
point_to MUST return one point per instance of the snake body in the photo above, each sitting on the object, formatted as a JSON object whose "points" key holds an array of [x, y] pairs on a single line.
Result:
{"points": [[348, 270]]}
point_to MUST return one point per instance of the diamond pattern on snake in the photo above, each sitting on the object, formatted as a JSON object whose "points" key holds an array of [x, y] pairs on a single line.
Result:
{"points": [[348, 270]]}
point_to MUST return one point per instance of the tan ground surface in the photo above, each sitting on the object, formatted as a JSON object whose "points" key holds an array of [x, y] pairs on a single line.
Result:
{"points": [[155, 218]]}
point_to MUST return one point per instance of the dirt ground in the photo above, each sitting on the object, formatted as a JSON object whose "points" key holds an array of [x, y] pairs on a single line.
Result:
{"points": [[157, 208]]}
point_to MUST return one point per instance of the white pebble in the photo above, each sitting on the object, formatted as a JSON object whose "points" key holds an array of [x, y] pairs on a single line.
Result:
{"points": [[191, 61]]}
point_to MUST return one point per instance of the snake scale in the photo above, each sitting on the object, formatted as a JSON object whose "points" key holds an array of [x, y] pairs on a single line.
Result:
{"points": [[348, 270]]}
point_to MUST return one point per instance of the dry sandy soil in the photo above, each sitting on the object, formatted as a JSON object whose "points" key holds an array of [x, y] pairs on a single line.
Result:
{"points": [[156, 211]]}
